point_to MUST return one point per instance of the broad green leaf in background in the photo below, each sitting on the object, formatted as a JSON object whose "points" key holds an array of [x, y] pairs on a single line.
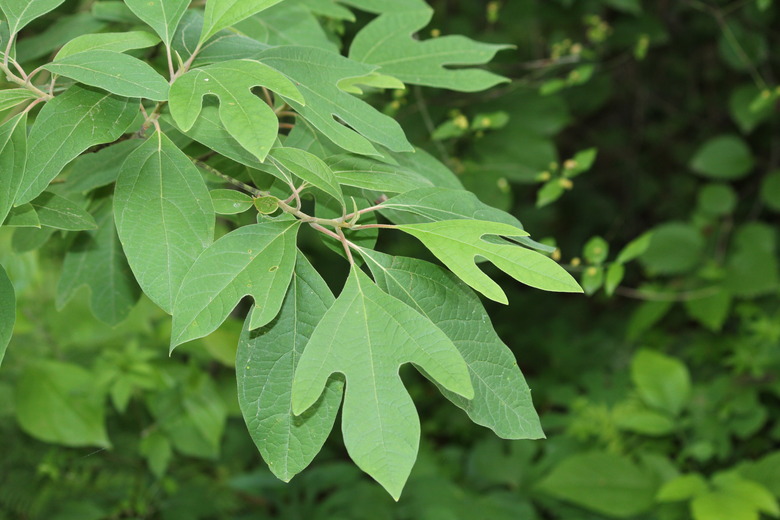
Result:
{"points": [[19, 13], [164, 216], [96, 260], [11, 97], [287, 23], [22, 216], [51, 38], [118, 73], [244, 115], [13, 154], [309, 168], [661, 381], [7, 311], [673, 248], [61, 403], [770, 190], [66, 126], [94, 170], [115, 42], [734, 498], [256, 260], [423, 63], [162, 15], [711, 311], [457, 243], [725, 157], [366, 335], [683, 487], [58, 212], [230, 202], [604, 482], [221, 14], [266, 361], [317, 72], [502, 399]]}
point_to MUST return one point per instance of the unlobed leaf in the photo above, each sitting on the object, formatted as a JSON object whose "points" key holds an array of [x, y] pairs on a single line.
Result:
{"points": [[13, 155], [161, 15], [221, 14], [317, 73], [265, 364], [423, 62], [11, 97], [19, 13], [7, 311], [96, 260], [458, 242], [115, 42], [57, 212], [308, 168], [255, 260], [66, 126], [118, 73], [164, 216], [366, 335], [502, 399], [245, 116]]}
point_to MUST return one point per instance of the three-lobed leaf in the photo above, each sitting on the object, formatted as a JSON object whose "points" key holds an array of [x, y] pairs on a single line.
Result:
{"points": [[118, 73], [457, 243], [317, 72], [255, 260], [65, 127], [265, 365], [245, 116], [164, 216], [366, 335]]}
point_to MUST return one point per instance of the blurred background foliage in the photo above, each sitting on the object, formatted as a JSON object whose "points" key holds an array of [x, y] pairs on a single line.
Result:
{"points": [[643, 136]]}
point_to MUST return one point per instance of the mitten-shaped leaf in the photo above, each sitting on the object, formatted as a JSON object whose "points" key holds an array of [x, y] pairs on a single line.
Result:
{"points": [[265, 365], [245, 116], [13, 155], [457, 243], [423, 62], [65, 127], [118, 73], [164, 216], [317, 74], [502, 399], [255, 260], [366, 336]]}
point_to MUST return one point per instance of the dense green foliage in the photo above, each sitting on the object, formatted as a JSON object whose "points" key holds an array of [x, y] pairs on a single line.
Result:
{"points": [[642, 136]]}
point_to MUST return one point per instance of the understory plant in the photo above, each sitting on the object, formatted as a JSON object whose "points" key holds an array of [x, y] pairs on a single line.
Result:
{"points": [[185, 153]]}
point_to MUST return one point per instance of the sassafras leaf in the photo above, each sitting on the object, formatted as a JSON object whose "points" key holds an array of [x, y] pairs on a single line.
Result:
{"points": [[265, 365], [13, 154], [118, 73], [65, 127], [244, 115], [366, 335], [457, 243], [255, 260], [317, 73], [221, 14], [164, 216], [58, 212], [308, 168], [162, 15], [19, 13], [116, 42], [424, 62], [502, 399]]}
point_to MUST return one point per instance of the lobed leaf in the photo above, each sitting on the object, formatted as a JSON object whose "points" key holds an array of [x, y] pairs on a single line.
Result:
{"points": [[366, 335], [255, 260], [164, 216], [265, 363], [458, 242], [65, 127], [96, 260], [502, 399], [317, 72], [423, 62], [7, 311], [118, 73], [245, 116]]}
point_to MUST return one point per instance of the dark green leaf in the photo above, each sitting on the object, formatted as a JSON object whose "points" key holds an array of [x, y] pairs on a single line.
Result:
{"points": [[7, 312], [13, 155]]}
